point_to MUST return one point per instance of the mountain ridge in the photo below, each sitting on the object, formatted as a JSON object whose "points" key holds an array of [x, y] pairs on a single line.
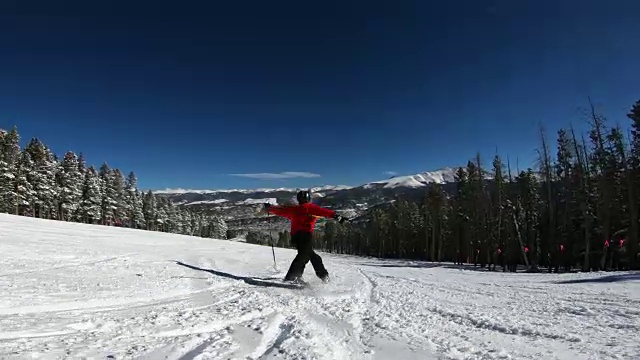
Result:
{"points": [[422, 179], [240, 207]]}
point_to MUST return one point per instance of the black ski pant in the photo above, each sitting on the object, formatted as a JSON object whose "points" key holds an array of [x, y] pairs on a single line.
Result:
{"points": [[303, 242]]}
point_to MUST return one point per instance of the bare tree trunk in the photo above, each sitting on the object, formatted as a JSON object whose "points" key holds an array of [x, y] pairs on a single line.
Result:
{"points": [[551, 211], [519, 237], [440, 239], [583, 194]]}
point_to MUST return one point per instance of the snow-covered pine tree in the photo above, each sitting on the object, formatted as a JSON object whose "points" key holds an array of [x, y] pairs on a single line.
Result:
{"points": [[82, 164], [90, 210], [187, 222], [24, 189], [9, 153], [137, 221], [163, 214], [108, 203], [130, 188], [218, 227], [149, 210], [82, 170], [70, 190], [178, 220], [133, 200], [43, 178], [196, 225], [117, 188], [172, 216], [56, 212]]}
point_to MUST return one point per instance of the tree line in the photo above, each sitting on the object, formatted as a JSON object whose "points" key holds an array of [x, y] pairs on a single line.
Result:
{"points": [[577, 210], [35, 182]]}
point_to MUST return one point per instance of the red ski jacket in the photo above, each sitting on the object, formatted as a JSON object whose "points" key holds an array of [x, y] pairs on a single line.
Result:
{"points": [[303, 217]]}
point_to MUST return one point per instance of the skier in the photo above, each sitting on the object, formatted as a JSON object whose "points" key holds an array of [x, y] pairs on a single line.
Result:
{"points": [[303, 218]]}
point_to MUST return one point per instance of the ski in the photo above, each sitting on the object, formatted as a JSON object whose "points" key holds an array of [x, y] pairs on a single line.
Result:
{"points": [[276, 282]]}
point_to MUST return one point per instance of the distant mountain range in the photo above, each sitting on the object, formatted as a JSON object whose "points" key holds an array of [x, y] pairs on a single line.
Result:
{"points": [[421, 180], [240, 207]]}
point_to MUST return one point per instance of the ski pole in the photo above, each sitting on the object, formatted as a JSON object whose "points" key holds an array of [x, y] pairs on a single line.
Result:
{"points": [[275, 266]]}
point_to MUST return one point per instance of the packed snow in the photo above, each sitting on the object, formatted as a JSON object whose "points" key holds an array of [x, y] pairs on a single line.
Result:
{"points": [[88, 291]]}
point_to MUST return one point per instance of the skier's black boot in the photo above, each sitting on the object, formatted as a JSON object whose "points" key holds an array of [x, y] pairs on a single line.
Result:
{"points": [[292, 278], [296, 280]]}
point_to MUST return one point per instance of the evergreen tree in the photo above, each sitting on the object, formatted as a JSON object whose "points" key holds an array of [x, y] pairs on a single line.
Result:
{"points": [[9, 171], [217, 228], [90, 210], [133, 202], [564, 171], [24, 190], [70, 182], [499, 237], [116, 185], [150, 211], [435, 222], [633, 185], [108, 201], [42, 178]]}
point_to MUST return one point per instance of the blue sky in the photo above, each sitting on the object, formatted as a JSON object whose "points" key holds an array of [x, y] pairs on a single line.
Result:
{"points": [[204, 94]]}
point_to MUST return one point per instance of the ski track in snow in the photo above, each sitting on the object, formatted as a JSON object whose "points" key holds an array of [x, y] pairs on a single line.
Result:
{"points": [[87, 291]]}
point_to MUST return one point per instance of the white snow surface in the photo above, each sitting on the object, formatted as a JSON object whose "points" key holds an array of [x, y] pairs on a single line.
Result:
{"points": [[87, 291], [201, 202], [250, 201]]}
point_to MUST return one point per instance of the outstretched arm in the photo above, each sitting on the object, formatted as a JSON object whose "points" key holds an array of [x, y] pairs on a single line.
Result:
{"points": [[278, 210], [320, 211]]}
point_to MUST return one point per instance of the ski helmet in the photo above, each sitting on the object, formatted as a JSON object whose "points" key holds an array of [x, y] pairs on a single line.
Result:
{"points": [[303, 197]]}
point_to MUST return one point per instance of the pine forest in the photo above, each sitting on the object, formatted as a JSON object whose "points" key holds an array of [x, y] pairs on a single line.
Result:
{"points": [[35, 182]]}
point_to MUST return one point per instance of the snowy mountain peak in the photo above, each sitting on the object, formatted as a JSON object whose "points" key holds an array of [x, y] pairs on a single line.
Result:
{"points": [[441, 176]]}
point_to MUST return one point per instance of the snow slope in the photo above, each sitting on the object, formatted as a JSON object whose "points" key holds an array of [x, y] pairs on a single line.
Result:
{"points": [[86, 291]]}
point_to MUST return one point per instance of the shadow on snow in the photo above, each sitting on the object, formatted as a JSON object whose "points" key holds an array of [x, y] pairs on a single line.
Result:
{"points": [[249, 280], [603, 279]]}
